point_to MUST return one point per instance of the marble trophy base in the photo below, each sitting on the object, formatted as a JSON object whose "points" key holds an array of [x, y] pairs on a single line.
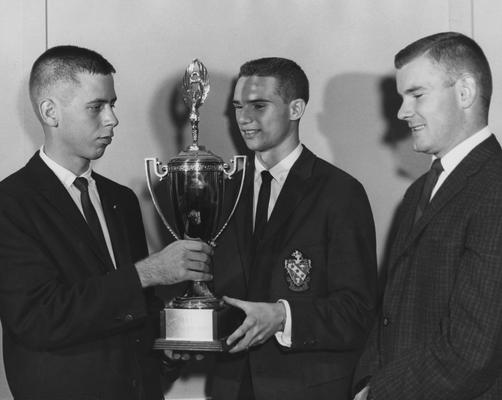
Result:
{"points": [[188, 329]]}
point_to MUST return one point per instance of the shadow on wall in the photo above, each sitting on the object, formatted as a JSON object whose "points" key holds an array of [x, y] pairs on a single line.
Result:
{"points": [[32, 128], [172, 133], [359, 121]]}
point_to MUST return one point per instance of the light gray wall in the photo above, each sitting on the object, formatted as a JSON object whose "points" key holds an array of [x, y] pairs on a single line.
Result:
{"points": [[346, 48]]}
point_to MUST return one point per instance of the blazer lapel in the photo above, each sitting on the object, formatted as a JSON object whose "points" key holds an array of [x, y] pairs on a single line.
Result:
{"points": [[455, 182], [292, 193], [115, 225], [48, 184]]}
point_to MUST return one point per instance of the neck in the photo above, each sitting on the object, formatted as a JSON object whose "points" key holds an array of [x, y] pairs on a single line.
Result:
{"points": [[76, 165], [269, 158]]}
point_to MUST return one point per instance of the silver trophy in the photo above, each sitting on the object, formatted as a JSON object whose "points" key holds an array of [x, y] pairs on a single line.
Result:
{"points": [[197, 321]]}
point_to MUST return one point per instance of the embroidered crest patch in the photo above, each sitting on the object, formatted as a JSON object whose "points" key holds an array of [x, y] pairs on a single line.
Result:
{"points": [[298, 272]]}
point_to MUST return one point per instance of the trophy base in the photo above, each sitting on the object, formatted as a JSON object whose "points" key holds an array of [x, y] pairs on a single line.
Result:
{"points": [[187, 345], [197, 329]]}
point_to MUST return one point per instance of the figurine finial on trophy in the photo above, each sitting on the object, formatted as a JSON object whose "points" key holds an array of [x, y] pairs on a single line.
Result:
{"points": [[195, 89]]}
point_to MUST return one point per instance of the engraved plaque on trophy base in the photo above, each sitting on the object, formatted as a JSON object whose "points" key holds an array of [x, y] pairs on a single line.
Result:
{"points": [[197, 329]]}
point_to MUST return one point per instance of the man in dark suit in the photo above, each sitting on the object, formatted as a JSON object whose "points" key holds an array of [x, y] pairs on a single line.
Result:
{"points": [[439, 335], [78, 318], [303, 266]]}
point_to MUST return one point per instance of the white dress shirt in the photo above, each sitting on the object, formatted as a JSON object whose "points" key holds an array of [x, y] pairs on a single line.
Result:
{"points": [[67, 178], [279, 174], [454, 157]]}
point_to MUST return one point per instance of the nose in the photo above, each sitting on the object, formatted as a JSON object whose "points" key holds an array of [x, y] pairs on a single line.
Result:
{"points": [[405, 111], [110, 119], [243, 115]]}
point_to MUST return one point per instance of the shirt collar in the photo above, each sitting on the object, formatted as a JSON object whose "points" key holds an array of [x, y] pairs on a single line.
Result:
{"points": [[451, 159], [281, 170], [64, 175]]}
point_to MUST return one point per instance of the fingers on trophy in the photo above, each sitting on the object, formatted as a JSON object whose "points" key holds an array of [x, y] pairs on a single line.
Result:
{"points": [[198, 320]]}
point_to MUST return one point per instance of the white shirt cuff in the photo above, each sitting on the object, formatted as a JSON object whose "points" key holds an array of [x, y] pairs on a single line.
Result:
{"points": [[284, 337]]}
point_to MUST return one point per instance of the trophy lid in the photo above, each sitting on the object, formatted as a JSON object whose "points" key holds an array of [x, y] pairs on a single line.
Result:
{"points": [[198, 159]]}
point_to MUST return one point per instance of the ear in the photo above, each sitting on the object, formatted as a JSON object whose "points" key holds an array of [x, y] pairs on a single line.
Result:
{"points": [[296, 109], [467, 90], [48, 112]]}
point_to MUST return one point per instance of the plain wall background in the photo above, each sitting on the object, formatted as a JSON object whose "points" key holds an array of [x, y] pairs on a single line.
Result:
{"points": [[346, 47]]}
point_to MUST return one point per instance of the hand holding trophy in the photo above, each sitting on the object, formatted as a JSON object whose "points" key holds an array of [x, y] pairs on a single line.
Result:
{"points": [[197, 321]]}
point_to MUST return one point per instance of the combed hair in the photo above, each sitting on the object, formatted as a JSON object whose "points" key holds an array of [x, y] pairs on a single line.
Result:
{"points": [[456, 54], [292, 81], [63, 63]]}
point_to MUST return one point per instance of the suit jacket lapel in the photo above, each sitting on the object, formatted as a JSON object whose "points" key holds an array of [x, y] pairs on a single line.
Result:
{"points": [[292, 193], [47, 183], [115, 224], [455, 182]]}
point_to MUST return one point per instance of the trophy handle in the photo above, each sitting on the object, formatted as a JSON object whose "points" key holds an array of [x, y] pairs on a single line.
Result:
{"points": [[229, 174], [161, 171]]}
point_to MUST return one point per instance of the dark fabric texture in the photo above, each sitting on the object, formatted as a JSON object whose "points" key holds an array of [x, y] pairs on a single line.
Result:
{"points": [[324, 214], [439, 335], [73, 326]]}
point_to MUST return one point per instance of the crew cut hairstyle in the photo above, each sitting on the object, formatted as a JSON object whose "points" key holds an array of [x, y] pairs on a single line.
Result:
{"points": [[63, 63], [292, 83], [456, 54]]}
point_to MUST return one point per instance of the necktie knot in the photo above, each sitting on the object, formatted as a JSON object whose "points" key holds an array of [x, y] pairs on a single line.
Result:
{"points": [[81, 184], [266, 177], [436, 166]]}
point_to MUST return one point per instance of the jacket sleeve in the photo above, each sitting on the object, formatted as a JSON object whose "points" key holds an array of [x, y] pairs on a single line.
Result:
{"points": [[49, 302], [341, 319]]}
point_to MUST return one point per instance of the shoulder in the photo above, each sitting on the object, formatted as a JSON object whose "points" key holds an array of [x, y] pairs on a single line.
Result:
{"points": [[18, 183], [332, 176]]}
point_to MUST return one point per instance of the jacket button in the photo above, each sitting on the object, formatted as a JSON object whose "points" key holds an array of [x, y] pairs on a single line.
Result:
{"points": [[128, 318], [386, 321]]}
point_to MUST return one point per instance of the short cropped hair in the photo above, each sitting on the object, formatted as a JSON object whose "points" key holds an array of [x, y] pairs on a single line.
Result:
{"points": [[292, 83], [62, 64], [456, 54]]}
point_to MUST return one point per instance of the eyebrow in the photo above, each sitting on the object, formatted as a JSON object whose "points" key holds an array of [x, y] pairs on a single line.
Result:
{"points": [[413, 89], [252, 101], [98, 100]]}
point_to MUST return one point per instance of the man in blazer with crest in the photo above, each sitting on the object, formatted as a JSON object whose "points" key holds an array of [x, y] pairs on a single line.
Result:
{"points": [[76, 305], [303, 267], [439, 335]]}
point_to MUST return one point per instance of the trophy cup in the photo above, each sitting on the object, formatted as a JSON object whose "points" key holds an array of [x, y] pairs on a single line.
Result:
{"points": [[197, 321]]}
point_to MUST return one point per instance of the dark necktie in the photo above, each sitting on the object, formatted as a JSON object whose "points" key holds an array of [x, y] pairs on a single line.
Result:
{"points": [[89, 212], [430, 181], [259, 276], [262, 206]]}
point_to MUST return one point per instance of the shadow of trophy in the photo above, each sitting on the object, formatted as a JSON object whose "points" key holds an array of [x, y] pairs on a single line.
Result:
{"points": [[196, 321]]}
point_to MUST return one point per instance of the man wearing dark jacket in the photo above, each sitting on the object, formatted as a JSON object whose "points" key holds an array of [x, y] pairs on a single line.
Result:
{"points": [[77, 313], [439, 335], [298, 256]]}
